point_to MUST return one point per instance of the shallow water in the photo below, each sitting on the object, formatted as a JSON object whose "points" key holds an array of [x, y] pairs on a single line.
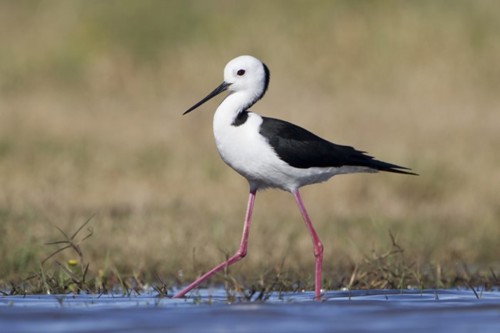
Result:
{"points": [[355, 311]]}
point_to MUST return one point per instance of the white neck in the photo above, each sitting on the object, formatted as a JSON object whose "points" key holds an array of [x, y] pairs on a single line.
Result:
{"points": [[231, 106]]}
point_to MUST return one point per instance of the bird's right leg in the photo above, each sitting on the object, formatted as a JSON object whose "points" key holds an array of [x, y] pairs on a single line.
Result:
{"points": [[242, 251]]}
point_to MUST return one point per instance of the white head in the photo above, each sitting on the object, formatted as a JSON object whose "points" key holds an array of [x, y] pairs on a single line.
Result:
{"points": [[244, 73]]}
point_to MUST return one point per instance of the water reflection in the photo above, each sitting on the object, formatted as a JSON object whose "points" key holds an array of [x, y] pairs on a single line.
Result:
{"points": [[208, 311]]}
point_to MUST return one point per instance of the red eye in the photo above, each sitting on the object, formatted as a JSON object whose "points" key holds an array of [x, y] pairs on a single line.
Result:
{"points": [[241, 72]]}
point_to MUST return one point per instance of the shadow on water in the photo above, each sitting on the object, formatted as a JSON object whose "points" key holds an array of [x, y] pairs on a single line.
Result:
{"points": [[208, 311]]}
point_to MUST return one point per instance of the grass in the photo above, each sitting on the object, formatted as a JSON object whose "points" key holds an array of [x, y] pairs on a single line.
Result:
{"points": [[91, 98]]}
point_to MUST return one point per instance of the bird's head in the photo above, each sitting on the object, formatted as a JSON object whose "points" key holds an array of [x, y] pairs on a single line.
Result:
{"points": [[242, 74]]}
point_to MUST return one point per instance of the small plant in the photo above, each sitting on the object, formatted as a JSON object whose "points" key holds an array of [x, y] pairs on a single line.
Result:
{"points": [[387, 270], [161, 287], [72, 274]]}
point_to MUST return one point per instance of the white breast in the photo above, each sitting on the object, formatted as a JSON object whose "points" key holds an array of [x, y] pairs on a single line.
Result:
{"points": [[245, 150]]}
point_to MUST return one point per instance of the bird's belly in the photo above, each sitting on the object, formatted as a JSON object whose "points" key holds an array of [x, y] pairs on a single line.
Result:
{"points": [[249, 154], [246, 154]]}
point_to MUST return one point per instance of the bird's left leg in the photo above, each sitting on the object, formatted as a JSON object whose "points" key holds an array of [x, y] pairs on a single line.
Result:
{"points": [[317, 245]]}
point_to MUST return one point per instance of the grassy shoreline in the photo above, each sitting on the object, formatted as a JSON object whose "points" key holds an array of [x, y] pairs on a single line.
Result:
{"points": [[91, 98]]}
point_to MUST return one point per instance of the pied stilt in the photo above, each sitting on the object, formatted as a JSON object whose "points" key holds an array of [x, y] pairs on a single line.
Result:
{"points": [[272, 153]]}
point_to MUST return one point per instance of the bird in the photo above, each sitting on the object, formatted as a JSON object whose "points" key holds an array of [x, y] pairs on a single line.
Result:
{"points": [[273, 153]]}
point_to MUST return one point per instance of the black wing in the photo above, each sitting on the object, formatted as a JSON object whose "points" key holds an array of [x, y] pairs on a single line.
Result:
{"points": [[303, 149]]}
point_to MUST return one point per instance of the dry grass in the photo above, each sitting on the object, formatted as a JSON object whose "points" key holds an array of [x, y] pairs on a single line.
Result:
{"points": [[90, 124]]}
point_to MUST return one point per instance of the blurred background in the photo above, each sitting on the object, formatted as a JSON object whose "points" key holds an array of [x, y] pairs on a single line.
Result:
{"points": [[91, 126]]}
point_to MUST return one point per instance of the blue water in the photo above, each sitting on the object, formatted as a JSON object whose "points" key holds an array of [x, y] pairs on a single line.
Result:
{"points": [[355, 311]]}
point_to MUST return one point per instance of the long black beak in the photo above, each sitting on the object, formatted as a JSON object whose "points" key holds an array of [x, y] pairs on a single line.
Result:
{"points": [[223, 87]]}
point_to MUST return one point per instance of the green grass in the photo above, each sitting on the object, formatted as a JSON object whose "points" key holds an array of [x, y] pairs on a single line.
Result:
{"points": [[91, 97]]}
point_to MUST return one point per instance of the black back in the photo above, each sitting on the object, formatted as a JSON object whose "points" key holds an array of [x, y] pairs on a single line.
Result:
{"points": [[300, 148]]}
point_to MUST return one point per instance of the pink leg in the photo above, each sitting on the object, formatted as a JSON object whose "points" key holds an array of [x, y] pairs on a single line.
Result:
{"points": [[242, 251], [318, 246]]}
